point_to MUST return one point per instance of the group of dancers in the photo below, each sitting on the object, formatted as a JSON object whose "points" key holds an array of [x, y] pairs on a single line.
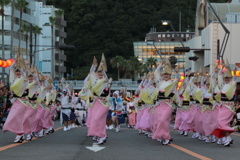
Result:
{"points": [[33, 102], [204, 104]]}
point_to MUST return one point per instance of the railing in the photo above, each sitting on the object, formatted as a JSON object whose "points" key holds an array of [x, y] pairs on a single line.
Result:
{"points": [[116, 85]]}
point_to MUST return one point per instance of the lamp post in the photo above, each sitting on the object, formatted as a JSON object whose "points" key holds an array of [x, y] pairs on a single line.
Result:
{"points": [[63, 47], [34, 54], [183, 48], [166, 23], [226, 36]]}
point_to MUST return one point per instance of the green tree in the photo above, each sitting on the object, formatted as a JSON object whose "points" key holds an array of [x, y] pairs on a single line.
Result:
{"points": [[12, 28], [133, 66], [52, 21], [20, 5], [143, 69], [151, 62], [26, 29], [3, 3], [59, 13], [121, 64], [36, 31]]}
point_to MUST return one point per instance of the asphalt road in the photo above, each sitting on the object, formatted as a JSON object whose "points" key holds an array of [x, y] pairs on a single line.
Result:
{"points": [[124, 145]]}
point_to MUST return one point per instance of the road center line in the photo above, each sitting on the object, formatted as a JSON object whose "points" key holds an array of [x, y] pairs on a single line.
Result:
{"points": [[17, 144], [189, 152], [235, 134]]}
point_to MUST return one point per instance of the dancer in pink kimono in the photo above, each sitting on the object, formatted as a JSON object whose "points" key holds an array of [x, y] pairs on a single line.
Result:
{"points": [[139, 103], [163, 110], [145, 121], [15, 119], [31, 109], [99, 87], [226, 110], [194, 117], [182, 101], [214, 87], [209, 122]]}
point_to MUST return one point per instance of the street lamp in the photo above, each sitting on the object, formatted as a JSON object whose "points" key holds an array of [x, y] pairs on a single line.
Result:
{"points": [[169, 23], [34, 54], [183, 48], [63, 47]]}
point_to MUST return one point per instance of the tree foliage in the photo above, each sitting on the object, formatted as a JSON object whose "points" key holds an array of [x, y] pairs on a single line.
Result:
{"points": [[111, 26]]}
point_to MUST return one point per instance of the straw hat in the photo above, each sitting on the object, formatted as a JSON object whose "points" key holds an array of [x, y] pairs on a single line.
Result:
{"points": [[167, 69], [227, 72], [103, 65], [198, 76]]}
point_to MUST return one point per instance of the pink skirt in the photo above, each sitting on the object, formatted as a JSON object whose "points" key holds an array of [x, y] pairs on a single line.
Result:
{"points": [[155, 110], [14, 121], [184, 118], [191, 117], [163, 117], [215, 113], [144, 121], [132, 118], [45, 119], [37, 122], [97, 121], [139, 115], [89, 115], [178, 119], [198, 120], [225, 115], [209, 122], [151, 120], [29, 117]]}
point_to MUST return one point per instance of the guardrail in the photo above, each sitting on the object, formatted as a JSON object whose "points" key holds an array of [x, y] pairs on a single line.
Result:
{"points": [[116, 85]]}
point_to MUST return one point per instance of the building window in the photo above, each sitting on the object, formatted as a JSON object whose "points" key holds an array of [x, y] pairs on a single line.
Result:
{"points": [[46, 36]]}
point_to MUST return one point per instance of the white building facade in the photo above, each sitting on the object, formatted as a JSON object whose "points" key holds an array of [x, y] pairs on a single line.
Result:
{"points": [[49, 59], [209, 35]]}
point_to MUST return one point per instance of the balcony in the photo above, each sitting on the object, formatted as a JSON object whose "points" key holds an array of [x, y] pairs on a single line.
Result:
{"points": [[57, 43], [60, 57], [61, 34], [63, 23], [61, 69]]}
